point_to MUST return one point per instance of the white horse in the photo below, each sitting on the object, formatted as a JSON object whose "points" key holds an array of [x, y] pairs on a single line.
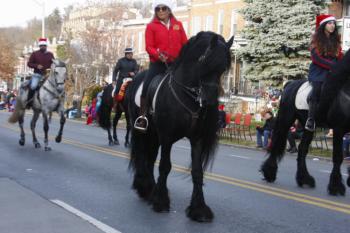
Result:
{"points": [[48, 99]]}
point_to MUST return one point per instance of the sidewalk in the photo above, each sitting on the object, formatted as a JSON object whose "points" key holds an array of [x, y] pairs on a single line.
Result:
{"points": [[23, 211]]}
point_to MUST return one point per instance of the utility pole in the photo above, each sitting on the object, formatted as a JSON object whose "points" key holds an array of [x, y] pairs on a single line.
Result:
{"points": [[42, 4]]}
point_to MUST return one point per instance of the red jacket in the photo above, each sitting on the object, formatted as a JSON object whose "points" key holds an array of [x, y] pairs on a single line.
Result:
{"points": [[161, 39]]}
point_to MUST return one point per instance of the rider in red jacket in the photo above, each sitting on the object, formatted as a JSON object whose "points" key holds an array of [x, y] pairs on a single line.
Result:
{"points": [[165, 37]]}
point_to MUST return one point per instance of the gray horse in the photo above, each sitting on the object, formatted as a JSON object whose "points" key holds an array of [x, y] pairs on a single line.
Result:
{"points": [[48, 99]]}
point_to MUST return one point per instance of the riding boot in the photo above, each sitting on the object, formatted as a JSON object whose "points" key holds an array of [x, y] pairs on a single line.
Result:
{"points": [[141, 122], [310, 122]]}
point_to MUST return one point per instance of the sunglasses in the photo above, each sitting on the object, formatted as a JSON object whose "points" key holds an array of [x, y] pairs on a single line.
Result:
{"points": [[159, 8]]}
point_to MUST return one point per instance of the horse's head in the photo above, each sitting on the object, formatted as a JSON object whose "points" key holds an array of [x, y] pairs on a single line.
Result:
{"points": [[207, 56], [58, 74]]}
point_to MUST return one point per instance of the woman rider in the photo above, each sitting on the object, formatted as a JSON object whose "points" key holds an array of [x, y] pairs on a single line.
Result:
{"points": [[325, 52], [165, 37]]}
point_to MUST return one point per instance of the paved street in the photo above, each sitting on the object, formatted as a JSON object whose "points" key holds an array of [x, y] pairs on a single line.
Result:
{"points": [[84, 173]]}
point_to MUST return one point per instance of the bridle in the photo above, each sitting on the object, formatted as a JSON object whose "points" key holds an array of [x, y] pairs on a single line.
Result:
{"points": [[55, 94], [195, 93]]}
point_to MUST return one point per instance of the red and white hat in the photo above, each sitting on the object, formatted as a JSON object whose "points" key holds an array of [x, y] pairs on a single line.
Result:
{"points": [[321, 19], [42, 41]]}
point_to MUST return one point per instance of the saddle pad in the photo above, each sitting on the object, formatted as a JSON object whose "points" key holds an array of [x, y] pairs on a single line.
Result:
{"points": [[138, 95], [302, 95], [156, 94]]}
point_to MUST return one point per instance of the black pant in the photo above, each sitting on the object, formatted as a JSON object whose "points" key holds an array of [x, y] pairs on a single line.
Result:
{"points": [[155, 68], [291, 138]]}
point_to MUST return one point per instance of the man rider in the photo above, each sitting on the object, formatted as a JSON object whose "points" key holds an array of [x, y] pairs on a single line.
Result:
{"points": [[40, 61], [126, 67]]}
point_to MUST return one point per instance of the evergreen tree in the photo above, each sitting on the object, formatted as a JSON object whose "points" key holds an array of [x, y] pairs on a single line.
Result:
{"points": [[279, 35]]}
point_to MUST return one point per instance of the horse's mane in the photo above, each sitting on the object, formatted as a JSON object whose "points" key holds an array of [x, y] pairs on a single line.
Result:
{"points": [[60, 63], [339, 74], [185, 55]]}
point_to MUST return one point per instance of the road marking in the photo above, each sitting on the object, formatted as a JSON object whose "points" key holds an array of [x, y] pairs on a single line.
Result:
{"points": [[239, 156], [100, 225], [282, 193], [329, 172], [184, 147]]}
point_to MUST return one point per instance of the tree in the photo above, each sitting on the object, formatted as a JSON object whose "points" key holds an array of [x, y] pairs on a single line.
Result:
{"points": [[54, 24], [278, 34], [7, 58]]}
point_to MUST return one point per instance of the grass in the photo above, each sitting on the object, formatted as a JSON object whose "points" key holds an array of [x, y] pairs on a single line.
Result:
{"points": [[248, 143]]}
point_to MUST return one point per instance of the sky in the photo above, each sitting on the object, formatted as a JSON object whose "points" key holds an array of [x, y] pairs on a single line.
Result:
{"points": [[17, 12]]}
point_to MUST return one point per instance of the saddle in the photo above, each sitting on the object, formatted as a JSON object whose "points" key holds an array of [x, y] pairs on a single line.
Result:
{"points": [[121, 94], [302, 97], [152, 92]]}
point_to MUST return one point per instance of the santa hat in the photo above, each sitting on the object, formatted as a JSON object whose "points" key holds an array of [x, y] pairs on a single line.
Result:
{"points": [[42, 41], [321, 19], [168, 3], [221, 107]]}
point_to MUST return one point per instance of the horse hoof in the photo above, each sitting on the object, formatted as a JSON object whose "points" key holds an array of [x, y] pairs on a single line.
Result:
{"points": [[160, 199], [335, 189], [111, 143], [161, 206], [37, 145], [143, 187], [126, 144], [269, 171], [306, 180], [21, 142], [200, 213], [47, 148], [58, 139], [116, 142]]}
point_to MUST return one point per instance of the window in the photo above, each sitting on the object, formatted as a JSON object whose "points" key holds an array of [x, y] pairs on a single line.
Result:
{"points": [[132, 41], [196, 25], [140, 41], [125, 41], [221, 22], [209, 23], [233, 23]]}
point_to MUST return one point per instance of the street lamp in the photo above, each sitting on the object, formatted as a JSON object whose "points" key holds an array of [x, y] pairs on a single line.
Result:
{"points": [[42, 4]]}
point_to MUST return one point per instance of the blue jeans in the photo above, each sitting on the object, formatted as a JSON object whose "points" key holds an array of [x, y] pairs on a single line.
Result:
{"points": [[35, 81], [259, 135], [346, 144]]}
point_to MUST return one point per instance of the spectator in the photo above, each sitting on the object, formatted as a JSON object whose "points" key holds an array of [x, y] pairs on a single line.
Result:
{"points": [[295, 132], [346, 145], [73, 108], [222, 117], [86, 111], [330, 133], [265, 131]]}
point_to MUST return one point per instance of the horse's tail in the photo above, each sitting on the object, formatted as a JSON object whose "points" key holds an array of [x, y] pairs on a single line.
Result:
{"points": [[19, 110], [137, 139], [105, 109]]}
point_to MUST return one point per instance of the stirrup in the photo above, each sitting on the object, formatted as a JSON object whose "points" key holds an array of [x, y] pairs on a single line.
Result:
{"points": [[308, 128], [136, 126]]}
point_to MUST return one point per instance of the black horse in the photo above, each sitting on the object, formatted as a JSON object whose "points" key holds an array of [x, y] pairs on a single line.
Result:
{"points": [[333, 111], [186, 106], [104, 115]]}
